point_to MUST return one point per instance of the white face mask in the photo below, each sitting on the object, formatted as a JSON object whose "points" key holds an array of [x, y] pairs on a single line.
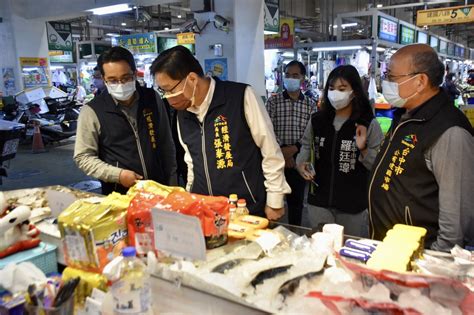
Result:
{"points": [[339, 99], [390, 91], [122, 92]]}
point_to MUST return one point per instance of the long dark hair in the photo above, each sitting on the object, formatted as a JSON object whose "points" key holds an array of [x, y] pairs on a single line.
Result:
{"points": [[361, 108]]}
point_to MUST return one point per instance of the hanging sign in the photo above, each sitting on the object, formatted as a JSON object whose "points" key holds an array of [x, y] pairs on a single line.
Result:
{"points": [[407, 35], [59, 41], [271, 16], [138, 43], [186, 38], [35, 71], [442, 16], [285, 39], [388, 30]]}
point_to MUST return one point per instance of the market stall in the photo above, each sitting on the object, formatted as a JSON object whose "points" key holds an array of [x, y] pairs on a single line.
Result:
{"points": [[250, 265]]}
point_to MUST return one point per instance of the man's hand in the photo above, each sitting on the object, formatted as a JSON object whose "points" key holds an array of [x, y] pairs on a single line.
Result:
{"points": [[128, 178], [305, 170], [274, 213], [290, 163], [289, 151]]}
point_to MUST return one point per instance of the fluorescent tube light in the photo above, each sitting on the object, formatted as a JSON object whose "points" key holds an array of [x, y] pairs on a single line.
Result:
{"points": [[111, 9], [379, 5], [335, 48], [113, 34]]}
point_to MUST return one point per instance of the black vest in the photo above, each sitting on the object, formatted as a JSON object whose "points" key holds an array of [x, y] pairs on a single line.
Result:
{"points": [[226, 160], [342, 179], [118, 145], [402, 188]]}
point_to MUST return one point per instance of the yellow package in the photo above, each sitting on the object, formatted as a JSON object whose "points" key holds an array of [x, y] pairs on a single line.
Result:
{"points": [[153, 188], [89, 281], [117, 201]]}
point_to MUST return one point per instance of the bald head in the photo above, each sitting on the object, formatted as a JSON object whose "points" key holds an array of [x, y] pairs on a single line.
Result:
{"points": [[422, 58]]}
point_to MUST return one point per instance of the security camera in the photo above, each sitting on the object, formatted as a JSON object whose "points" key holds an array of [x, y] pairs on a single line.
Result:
{"points": [[221, 21], [188, 26]]}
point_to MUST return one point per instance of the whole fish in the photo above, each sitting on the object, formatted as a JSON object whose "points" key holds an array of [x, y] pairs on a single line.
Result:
{"points": [[222, 268], [267, 274], [289, 287]]}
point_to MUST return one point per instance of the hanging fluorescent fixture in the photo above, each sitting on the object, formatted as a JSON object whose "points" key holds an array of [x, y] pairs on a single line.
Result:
{"points": [[111, 9], [379, 5], [112, 34], [346, 25], [336, 48]]}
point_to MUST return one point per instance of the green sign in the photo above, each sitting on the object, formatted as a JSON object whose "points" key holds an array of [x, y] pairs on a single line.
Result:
{"points": [[407, 35], [271, 16], [138, 43], [59, 41]]}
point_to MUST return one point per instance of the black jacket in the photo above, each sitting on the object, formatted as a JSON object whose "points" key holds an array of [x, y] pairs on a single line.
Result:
{"points": [[226, 160], [342, 180], [150, 152], [402, 188]]}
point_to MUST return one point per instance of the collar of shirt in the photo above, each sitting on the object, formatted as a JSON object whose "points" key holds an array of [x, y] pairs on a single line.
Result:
{"points": [[286, 96], [201, 110]]}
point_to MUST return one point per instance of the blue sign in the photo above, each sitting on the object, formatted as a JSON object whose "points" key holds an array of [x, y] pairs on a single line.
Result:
{"points": [[388, 30], [216, 67]]}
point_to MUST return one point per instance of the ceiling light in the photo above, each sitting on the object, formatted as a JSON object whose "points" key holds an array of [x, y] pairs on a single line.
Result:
{"points": [[346, 25], [111, 9], [337, 48], [270, 33], [378, 49], [113, 34], [167, 28], [178, 16], [379, 5], [124, 24]]}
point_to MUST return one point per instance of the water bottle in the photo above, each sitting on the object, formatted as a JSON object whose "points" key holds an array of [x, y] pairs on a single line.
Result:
{"points": [[131, 293]]}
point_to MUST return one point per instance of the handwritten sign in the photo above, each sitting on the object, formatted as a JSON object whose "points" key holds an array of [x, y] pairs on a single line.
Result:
{"points": [[178, 234]]}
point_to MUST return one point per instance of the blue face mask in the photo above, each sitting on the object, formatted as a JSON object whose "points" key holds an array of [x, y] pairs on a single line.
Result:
{"points": [[291, 85]]}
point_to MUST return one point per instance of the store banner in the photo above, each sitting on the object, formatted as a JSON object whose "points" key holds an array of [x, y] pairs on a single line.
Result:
{"points": [[407, 35], [271, 16], [442, 16], [60, 42], [35, 71], [216, 67], [139, 43], [285, 39], [186, 38]]}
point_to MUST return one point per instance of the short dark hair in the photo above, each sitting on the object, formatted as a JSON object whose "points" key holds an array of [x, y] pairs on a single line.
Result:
{"points": [[428, 62], [360, 102], [297, 63], [177, 63], [115, 54]]}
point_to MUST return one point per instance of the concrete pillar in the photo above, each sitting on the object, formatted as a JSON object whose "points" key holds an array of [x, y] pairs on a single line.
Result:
{"points": [[242, 46], [20, 37]]}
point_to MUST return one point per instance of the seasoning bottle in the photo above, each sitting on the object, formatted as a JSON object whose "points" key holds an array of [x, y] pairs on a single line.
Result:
{"points": [[241, 208], [232, 212], [233, 199]]}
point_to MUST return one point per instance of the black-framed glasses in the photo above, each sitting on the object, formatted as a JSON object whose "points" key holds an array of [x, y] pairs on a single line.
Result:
{"points": [[170, 91], [125, 79], [390, 77]]}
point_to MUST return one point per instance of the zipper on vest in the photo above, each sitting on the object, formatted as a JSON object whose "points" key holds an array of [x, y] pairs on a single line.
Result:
{"points": [[333, 169], [372, 234], [204, 158], [248, 187], [139, 147]]}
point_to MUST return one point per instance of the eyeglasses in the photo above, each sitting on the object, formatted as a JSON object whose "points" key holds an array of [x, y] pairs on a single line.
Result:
{"points": [[125, 79], [390, 77], [168, 93]]}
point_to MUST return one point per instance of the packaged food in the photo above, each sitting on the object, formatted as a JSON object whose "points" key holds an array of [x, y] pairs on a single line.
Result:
{"points": [[238, 231], [213, 212], [152, 187], [93, 234], [89, 281], [139, 222], [252, 221]]}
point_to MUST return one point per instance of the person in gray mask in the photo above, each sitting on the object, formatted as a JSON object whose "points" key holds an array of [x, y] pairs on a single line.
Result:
{"points": [[124, 133]]}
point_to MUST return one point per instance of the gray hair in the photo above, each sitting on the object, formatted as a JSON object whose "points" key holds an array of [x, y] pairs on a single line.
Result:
{"points": [[428, 62]]}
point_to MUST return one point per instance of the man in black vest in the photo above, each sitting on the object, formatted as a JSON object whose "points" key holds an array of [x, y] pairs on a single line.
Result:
{"points": [[423, 173], [228, 138], [124, 133]]}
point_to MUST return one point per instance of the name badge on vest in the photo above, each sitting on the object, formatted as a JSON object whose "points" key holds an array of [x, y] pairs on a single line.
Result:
{"points": [[222, 146]]}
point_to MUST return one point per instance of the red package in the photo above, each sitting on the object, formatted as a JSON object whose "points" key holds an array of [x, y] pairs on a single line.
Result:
{"points": [[213, 212], [139, 222]]}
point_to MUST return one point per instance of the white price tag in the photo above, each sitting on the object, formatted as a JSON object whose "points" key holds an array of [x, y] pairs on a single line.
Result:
{"points": [[178, 234], [58, 201]]}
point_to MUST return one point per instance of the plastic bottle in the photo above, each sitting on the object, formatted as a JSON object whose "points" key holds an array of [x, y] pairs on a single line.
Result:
{"points": [[242, 208], [131, 293], [233, 199], [232, 211]]}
